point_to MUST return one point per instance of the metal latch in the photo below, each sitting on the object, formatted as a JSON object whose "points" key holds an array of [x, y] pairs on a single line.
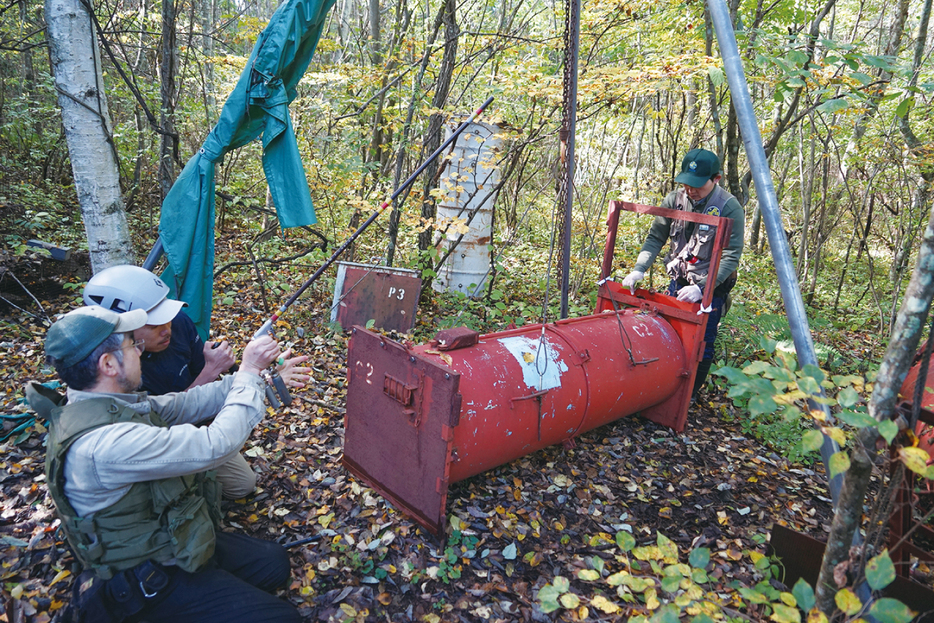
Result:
{"points": [[403, 393]]}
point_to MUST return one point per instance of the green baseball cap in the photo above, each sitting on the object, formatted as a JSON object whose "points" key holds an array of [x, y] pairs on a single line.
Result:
{"points": [[76, 334], [698, 166]]}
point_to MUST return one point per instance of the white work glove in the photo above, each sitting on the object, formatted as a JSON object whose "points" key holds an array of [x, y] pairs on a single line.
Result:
{"points": [[691, 294], [631, 279]]}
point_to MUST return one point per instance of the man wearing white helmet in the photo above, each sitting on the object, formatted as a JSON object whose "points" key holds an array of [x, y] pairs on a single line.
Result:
{"points": [[175, 358]]}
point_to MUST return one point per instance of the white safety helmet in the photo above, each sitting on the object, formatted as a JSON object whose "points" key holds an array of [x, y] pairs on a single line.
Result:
{"points": [[126, 287]]}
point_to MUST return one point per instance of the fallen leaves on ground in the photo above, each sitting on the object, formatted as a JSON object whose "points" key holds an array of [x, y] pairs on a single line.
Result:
{"points": [[512, 530]]}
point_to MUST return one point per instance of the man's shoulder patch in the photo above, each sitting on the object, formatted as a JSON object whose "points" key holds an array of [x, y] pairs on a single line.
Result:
{"points": [[712, 211]]}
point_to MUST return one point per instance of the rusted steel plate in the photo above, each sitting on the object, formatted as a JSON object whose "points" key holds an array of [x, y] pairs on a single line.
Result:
{"points": [[388, 296], [399, 426], [801, 557]]}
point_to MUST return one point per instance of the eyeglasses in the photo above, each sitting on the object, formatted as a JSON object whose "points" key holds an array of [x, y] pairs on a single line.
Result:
{"points": [[139, 345]]}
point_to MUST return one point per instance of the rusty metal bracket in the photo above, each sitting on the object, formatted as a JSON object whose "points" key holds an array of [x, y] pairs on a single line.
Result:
{"points": [[403, 393], [539, 394]]}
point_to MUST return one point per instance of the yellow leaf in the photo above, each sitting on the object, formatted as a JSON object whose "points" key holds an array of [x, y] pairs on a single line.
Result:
{"points": [[836, 434], [914, 459], [569, 600], [816, 616], [602, 603], [847, 601], [61, 575]]}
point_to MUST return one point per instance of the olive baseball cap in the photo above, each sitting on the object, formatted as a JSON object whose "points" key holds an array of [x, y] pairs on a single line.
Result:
{"points": [[76, 334], [698, 166]]}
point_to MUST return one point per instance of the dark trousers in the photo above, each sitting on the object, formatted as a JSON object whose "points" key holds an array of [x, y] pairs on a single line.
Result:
{"points": [[234, 589], [713, 318]]}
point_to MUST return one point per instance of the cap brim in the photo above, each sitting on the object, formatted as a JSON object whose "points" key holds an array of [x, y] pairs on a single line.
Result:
{"points": [[165, 311], [691, 179], [131, 320]]}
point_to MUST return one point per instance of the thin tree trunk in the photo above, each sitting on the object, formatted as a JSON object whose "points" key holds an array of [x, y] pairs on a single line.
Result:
{"points": [[396, 213], [76, 64], [139, 67], [906, 335], [896, 31], [436, 121], [208, 20], [806, 194], [29, 73], [822, 231], [168, 148]]}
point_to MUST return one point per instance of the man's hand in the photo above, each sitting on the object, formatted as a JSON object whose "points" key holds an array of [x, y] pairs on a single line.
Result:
{"points": [[631, 279], [293, 374], [691, 294], [218, 357], [258, 354]]}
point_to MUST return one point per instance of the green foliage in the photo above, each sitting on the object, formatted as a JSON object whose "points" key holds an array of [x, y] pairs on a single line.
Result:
{"points": [[775, 391], [665, 588]]}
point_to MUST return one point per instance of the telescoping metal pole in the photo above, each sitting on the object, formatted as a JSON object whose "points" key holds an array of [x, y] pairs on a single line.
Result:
{"points": [[408, 182], [768, 204]]}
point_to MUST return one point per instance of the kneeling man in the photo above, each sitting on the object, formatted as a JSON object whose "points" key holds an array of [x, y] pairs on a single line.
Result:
{"points": [[131, 478]]}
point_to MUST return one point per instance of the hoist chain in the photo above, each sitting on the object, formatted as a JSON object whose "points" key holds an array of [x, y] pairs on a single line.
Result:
{"points": [[563, 133]]}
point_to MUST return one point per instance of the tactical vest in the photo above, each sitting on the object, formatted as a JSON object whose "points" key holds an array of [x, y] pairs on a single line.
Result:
{"points": [[689, 257], [167, 520]]}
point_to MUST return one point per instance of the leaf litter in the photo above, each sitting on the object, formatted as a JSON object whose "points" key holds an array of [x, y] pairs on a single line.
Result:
{"points": [[541, 519]]}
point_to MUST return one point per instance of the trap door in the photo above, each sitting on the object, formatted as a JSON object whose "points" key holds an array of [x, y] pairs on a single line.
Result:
{"points": [[399, 425]]}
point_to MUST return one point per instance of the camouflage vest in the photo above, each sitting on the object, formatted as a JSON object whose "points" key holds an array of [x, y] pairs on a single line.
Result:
{"points": [[167, 520], [689, 258]]}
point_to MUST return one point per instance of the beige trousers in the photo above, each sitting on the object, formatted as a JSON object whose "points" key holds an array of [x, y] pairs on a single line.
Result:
{"points": [[236, 477]]}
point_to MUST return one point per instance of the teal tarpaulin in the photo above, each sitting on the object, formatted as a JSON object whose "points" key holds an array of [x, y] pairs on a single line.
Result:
{"points": [[258, 105]]}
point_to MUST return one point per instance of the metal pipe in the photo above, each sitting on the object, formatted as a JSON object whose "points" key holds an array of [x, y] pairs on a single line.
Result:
{"points": [[778, 243], [154, 255], [573, 36], [402, 188], [768, 205]]}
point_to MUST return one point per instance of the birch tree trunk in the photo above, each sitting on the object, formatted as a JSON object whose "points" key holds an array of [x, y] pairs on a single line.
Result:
{"points": [[86, 121]]}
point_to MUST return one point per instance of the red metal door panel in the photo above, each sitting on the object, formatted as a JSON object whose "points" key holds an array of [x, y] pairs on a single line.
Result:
{"points": [[399, 439]]}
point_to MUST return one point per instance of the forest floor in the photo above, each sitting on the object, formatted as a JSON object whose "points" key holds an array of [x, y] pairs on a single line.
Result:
{"points": [[511, 529]]}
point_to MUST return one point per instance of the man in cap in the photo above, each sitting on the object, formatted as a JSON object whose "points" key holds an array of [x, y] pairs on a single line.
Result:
{"points": [[130, 478], [688, 260], [175, 358]]}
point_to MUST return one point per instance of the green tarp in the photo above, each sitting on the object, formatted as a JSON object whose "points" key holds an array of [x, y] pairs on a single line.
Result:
{"points": [[258, 105]]}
